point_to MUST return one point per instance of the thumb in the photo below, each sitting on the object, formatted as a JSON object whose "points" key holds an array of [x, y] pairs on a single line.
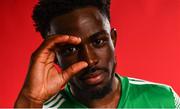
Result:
{"points": [[66, 75]]}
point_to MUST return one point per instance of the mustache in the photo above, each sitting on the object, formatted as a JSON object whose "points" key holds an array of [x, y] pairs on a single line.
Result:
{"points": [[91, 70]]}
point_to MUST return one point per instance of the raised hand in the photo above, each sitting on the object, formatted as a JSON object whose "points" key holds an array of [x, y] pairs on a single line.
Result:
{"points": [[43, 79]]}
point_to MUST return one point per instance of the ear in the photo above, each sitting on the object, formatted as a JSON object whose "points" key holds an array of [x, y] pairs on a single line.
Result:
{"points": [[114, 36]]}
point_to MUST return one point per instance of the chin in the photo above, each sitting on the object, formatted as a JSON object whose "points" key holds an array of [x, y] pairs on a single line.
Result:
{"points": [[95, 91], [100, 90]]}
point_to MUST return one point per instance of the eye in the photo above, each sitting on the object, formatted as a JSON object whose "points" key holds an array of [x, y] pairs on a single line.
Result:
{"points": [[98, 42], [69, 51]]}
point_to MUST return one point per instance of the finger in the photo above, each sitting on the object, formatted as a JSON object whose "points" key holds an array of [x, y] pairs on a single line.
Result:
{"points": [[50, 58], [72, 70], [49, 44], [57, 39]]}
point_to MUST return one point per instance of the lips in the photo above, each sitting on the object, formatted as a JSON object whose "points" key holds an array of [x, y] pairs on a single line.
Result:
{"points": [[93, 78]]}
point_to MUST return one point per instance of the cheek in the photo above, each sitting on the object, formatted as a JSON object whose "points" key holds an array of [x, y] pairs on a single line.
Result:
{"points": [[106, 54], [111, 59], [108, 57]]}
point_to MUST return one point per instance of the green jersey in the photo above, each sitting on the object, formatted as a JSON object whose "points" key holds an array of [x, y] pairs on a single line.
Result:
{"points": [[135, 93]]}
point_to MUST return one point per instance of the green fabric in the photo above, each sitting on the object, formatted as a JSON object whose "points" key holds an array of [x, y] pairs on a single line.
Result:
{"points": [[135, 94], [141, 94]]}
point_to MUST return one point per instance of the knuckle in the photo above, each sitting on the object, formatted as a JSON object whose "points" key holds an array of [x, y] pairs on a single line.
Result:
{"points": [[65, 76], [73, 68]]}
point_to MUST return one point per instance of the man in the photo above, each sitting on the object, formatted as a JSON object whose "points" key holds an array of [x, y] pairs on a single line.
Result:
{"points": [[78, 38]]}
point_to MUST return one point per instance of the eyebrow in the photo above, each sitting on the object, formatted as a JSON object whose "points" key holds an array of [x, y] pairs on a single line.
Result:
{"points": [[102, 32]]}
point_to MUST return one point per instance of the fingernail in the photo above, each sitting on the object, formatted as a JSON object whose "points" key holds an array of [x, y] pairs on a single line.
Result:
{"points": [[67, 36], [79, 38], [85, 64]]}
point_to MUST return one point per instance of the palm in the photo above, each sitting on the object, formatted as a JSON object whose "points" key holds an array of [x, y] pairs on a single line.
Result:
{"points": [[43, 79], [49, 79], [52, 81]]}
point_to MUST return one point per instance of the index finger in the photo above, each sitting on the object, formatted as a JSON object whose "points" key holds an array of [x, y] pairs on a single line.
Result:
{"points": [[50, 42]]}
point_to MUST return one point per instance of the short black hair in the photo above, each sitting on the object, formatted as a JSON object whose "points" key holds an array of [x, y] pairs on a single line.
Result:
{"points": [[45, 10]]}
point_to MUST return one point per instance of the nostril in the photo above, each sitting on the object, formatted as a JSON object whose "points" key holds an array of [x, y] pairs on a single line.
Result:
{"points": [[96, 61]]}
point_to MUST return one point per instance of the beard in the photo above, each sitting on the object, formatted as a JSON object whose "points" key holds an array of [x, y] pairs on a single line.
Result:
{"points": [[95, 92], [99, 92]]}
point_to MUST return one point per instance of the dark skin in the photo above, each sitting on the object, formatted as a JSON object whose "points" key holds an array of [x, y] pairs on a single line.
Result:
{"points": [[86, 56]]}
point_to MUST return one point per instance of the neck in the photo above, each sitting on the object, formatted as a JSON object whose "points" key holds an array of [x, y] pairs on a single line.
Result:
{"points": [[110, 100]]}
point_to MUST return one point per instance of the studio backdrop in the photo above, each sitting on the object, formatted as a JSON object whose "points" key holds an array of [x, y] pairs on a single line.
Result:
{"points": [[148, 45]]}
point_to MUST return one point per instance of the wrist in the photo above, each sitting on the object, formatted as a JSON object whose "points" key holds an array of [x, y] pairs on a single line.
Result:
{"points": [[26, 100]]}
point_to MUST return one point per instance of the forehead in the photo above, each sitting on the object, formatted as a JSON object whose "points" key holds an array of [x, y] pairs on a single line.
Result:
{"points": [[80, 22]]}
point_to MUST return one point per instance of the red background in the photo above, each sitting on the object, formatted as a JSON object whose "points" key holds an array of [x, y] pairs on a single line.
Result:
{"points": [[148, 44]]}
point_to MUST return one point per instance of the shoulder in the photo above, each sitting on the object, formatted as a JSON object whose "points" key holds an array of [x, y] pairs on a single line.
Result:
{"points": [[147, 85], [150, 88], [152, 93]]}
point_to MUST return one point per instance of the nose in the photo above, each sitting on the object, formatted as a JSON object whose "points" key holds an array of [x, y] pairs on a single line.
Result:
{"points": [[89, 55]]}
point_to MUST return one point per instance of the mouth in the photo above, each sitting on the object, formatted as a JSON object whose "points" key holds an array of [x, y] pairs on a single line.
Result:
{"points": [[93, 78]]}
